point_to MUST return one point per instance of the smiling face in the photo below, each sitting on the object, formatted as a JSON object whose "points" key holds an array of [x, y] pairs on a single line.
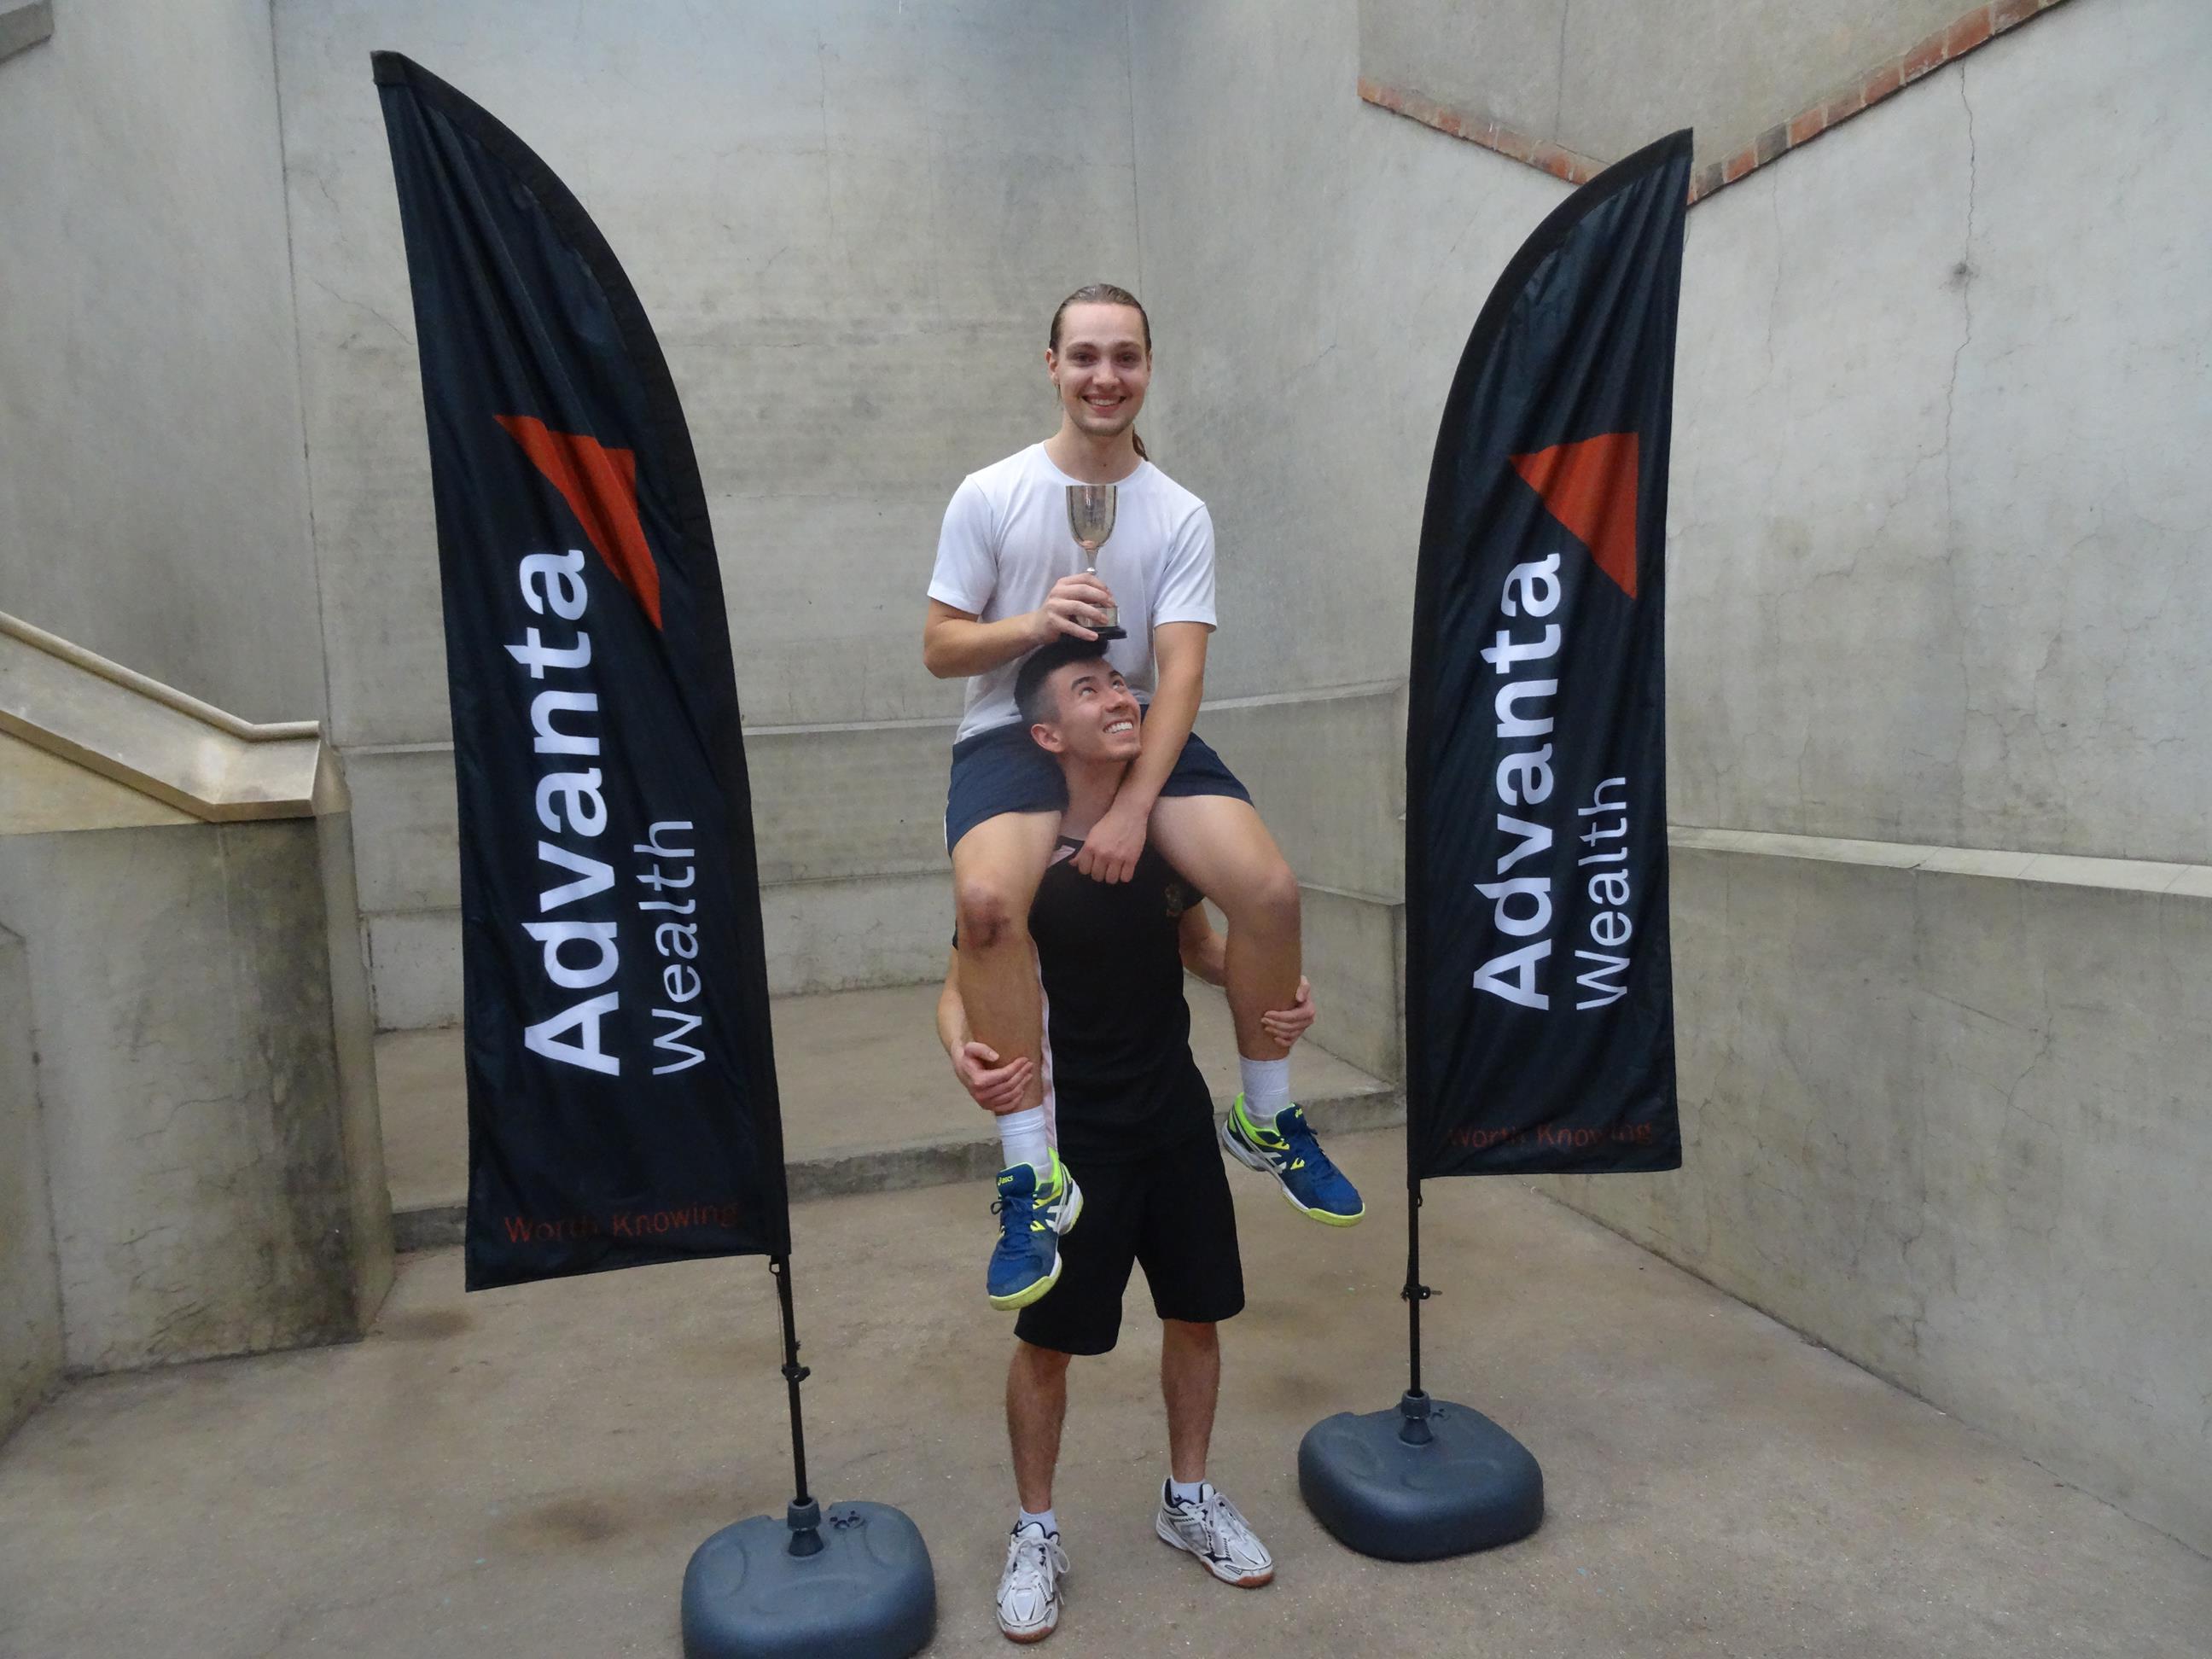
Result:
{"points": [[1094, 717], [1101, 367]]}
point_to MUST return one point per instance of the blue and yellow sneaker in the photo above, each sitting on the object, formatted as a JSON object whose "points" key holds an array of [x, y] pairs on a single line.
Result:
{"points": [[1286, 1149], [1033, 1213]]}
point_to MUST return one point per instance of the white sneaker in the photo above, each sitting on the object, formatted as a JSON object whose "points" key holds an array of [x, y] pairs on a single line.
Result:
{"points": [[1217, 1535], [1029, 1589]]}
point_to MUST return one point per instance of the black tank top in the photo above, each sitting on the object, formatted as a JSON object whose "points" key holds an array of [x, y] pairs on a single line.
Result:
{"points": [[1123, 1078]]}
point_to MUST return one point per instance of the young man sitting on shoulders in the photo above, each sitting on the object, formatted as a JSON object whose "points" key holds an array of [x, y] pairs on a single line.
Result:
{"points": [[1002, 589]]}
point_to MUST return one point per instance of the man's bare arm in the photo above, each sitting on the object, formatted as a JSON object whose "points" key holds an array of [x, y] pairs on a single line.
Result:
{"points": [[1116, 841], [1179, 649], [1205, 952], [951, 1012], [954, 644], [997, 1089]]}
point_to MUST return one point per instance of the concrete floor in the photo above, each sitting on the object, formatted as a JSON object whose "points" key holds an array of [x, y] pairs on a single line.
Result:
{"points": [[859, 1071], [527, 1470]]}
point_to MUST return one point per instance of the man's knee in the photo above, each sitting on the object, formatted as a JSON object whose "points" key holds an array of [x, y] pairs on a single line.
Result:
{"points": [[1040, 1364], [986, 914], [1269, 895]]}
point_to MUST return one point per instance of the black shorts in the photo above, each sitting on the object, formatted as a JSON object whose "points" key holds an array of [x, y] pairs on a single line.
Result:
{"points": [[1172, 1212], [1003, 770]]}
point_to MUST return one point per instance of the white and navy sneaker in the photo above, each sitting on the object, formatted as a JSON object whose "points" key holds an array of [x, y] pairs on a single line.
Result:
{"points": [[1217, 1535], [1029, 1588]]}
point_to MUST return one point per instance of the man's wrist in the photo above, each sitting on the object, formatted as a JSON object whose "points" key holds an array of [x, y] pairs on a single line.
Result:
{"points": [[1135, 796]]}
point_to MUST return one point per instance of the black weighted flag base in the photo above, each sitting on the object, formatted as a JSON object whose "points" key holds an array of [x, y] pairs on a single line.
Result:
{"points": [[1426, 1479], [1422, 1481], [852, 1582]]}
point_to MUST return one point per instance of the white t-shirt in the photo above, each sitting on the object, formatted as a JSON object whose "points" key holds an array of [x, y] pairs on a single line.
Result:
{"points": [[1005, 542]]}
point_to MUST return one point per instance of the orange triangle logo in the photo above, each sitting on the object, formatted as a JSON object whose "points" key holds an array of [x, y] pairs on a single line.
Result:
{"points": [[600, 486], [1590, 486]]}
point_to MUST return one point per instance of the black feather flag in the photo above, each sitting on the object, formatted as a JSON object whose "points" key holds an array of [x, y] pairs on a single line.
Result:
{"points": [[1540, 1015], [621, 1078]]}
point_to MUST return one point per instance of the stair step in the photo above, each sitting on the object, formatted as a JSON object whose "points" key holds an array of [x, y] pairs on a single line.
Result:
{"points": [[932, 1161]]}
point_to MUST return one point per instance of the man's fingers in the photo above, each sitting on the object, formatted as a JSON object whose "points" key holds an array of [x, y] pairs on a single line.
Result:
{"points": [[1068, 617]]}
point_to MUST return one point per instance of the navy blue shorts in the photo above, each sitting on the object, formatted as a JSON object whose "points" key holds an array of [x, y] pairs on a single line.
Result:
{"points": [[1003, 770]]}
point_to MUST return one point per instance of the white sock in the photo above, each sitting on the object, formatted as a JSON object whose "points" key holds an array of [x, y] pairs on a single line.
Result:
{"points": [[1023, 1138], [1266, 1088], [1186, 1492], [1048, 1520]]}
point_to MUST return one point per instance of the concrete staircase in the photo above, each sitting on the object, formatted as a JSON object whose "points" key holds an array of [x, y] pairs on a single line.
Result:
{"points": [[869, 1104]]}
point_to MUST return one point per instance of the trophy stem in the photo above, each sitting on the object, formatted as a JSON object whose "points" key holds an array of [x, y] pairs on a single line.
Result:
{"points": [[1111, 629]]}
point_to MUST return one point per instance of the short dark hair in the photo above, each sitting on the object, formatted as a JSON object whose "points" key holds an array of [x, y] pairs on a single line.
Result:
{"points": [[1029, 684]]}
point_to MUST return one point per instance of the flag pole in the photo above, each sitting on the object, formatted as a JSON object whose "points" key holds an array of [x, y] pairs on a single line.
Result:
{"points": [[804, 1514], [1414, 1408]]}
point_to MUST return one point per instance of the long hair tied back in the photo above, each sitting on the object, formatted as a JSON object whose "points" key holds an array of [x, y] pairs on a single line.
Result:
{"points": [[1105, 293]]}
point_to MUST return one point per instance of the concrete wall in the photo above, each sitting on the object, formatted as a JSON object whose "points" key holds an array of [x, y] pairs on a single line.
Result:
{"points": [[1951, 601], [1950, 1121], [1935, 581], [1951, 590], [30, 1291], [152, 491], [212, 1137], [849, 224], [1602, 77]]}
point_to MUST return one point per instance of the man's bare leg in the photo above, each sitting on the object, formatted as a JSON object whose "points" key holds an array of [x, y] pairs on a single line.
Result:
{"points": [[1193, 1516], [1190, 1383], [1221, 845], [996, 868], [1036, 1407]]}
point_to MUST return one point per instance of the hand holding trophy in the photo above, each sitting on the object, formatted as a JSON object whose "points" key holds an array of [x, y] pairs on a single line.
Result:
{"points": [[1090, 521]]}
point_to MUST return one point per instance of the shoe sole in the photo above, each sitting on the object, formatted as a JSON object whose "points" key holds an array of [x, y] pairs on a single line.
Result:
{"points": [[1252, 1160], [1249, 1581], [1037, 1292], [1026, 1637]]}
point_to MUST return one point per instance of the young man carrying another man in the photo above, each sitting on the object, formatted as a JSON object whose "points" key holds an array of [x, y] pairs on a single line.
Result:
{"points": [[1134, 1113], [998, 593]]}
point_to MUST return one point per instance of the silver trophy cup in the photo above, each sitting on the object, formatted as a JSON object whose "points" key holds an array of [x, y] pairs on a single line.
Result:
{"points": [[1090, 521]]}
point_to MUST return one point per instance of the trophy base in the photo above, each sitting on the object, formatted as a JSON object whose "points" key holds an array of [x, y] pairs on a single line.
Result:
{"points": [[1111, 633]]}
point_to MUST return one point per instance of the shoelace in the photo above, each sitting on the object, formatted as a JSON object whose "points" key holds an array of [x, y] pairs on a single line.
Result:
{"points": [[1302, 1146], [1216, 1509], [1030, 1555], [1216, 1515], [1022, 1209]]}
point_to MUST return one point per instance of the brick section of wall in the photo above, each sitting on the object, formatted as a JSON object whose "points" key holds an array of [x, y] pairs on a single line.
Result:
{"points": [[1979, 26], [1481, 129]]}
